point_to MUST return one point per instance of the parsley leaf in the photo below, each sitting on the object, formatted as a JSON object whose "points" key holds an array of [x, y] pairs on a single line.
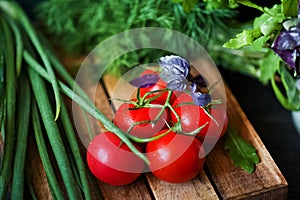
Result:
{"points": [[268, 66], [246, 3], [245, 38], [241, 152], [290, 7]]}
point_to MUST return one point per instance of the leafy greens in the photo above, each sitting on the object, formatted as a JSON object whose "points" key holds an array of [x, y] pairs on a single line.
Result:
{"points": [[275, 34], [84, 24], [242, 153]]}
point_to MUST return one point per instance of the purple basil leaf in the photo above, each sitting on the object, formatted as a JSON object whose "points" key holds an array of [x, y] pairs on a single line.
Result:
{"points": [[288, 40], [178, 82], [175, 65], [144, 81], [288, 56], [201, 99], [287, 44], [167, 75]]}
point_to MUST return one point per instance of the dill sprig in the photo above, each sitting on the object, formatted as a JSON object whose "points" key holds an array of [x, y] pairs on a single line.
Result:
{"points": [[78, 26]]}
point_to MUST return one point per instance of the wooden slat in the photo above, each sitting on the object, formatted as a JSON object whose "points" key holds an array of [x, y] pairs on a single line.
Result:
{"points": [[35, 173], [135, 191], [266, 182], [198, 188]]}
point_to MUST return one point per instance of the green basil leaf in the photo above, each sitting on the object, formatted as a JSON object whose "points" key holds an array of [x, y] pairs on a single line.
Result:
{"points": [[241, 152]]}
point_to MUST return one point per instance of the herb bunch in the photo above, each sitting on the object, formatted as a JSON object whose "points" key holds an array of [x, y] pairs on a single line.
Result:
{"points": [[87, 23], [274, 37], [211, 23]]}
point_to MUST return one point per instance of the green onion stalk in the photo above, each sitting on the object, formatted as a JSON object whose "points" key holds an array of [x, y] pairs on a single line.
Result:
{"points": [[28, 68]]}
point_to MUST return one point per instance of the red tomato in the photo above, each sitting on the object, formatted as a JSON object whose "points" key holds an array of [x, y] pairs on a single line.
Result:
{"points": [[160, 85], [175, 158], [191, 116], [215, 130], [127, 115], [221, 118], [111, 161]]}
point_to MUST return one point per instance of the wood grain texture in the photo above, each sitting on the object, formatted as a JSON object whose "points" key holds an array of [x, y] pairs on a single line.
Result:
{"points": [[198, 188], [266, 182], [35, 173], [135, 191]]}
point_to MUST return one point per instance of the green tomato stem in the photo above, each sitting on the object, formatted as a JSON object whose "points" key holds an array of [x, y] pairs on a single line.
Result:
{"points": [[144, 140]]}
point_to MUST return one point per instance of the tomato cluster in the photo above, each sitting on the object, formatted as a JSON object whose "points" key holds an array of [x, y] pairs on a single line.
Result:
{"points": [[164, 124]]}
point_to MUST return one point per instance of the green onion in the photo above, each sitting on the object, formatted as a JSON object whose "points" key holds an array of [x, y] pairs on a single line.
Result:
{"points": [[19, 45], [2, 75], [14, 10], [53, 133], [75, 151], [42, 148], [10, 81], [21, 142]]}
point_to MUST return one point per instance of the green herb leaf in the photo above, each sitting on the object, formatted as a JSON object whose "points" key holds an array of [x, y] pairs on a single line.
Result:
{"points": [[280, 97], [269, 23], [290, 8], [269, 66], [246, 3], [289, 98], [241, 152], [289, 84], [247, 37], [273, 19], [259, 45]]}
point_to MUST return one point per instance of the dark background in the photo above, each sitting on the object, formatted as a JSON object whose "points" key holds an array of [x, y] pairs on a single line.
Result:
{"points": [[273, 124]]}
